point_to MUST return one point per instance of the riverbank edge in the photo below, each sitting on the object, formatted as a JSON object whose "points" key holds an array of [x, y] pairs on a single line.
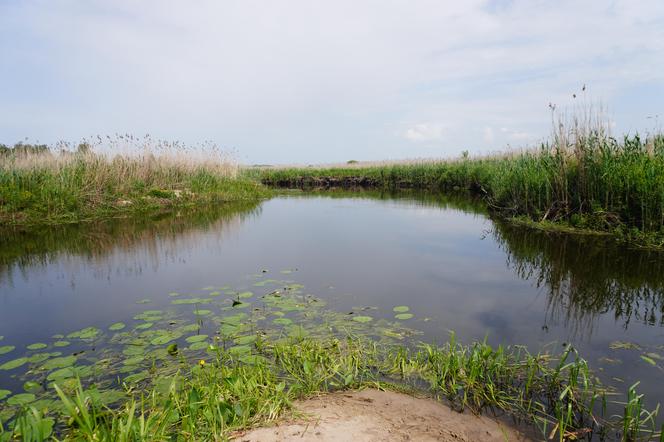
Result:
{"points": [[327, 179], [145, 203]]}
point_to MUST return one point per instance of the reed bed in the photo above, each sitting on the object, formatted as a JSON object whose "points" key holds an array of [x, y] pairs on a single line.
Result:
{"points": [[39, 184], [583, 178]]}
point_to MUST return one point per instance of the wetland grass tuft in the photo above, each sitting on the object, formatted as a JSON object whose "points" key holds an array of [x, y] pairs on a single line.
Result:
{"points": [[41, 185], [214, 398], [582, 178]]}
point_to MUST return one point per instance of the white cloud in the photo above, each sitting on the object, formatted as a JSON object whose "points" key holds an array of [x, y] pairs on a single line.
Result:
{"points": [[302, 81], [424, 132]]}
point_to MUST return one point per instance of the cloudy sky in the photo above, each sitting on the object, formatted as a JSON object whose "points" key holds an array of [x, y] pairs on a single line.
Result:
{"points": [[308, 81]]}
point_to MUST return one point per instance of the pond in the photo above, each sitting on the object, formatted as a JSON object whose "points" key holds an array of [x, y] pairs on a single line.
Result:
{"points": [[76, 291]]}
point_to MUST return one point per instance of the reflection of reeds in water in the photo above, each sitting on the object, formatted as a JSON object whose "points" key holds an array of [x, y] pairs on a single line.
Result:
{"points": [[586, 277], [110, 244]]}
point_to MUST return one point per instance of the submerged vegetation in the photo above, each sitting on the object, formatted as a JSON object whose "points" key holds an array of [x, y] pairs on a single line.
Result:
{"points": [[583, 178], [222, 360], [42, 185]]}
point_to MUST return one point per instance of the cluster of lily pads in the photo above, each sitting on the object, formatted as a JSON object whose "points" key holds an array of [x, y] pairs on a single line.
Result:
{"points": [[157, 343]]}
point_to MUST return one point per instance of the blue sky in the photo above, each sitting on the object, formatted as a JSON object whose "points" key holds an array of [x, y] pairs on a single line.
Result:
{"points": [[307, 81]]}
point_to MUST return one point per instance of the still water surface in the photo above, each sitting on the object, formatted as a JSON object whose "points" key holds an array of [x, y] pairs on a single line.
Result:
{"points": [[443, 257]]}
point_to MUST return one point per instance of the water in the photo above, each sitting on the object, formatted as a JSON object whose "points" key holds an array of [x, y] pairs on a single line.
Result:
{"points": [[443, 257]]}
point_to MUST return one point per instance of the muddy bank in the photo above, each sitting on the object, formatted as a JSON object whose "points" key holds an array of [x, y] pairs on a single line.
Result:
{"points": [[372, 415]]}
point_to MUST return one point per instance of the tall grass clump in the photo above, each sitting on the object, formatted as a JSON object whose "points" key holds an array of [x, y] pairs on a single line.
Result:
{"points": [[214, 399], [582, 177], [41, 184]]}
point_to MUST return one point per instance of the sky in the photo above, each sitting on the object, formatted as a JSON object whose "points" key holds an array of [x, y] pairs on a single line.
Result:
{"points": [[310, 81]]}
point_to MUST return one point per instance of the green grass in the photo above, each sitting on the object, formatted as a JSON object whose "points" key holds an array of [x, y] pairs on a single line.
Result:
{"points": [[39, 186], [211, 401], [583, 180]]}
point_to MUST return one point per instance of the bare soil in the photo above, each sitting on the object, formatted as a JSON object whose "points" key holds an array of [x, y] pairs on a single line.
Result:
{"points": [[373, 415]]}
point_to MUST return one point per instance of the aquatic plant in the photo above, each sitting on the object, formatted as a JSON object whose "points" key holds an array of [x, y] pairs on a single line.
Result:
{"points": [[121, 174], [582, 178]]}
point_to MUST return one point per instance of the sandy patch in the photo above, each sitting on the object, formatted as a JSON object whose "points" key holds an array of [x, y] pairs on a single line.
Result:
{"points": [[372, 415]]}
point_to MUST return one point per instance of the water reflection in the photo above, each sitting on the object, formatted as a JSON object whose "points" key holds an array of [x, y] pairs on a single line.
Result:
{"points": [[585, 277], [123, 246]]}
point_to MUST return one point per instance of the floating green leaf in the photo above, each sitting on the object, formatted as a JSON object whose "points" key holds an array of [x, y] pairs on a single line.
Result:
{"points": [[41, 357], [61, 343], [245, 295], [86, 333], [620, 345], [137, 359], [144, 326], [13, 364], [191, 301], [4, 394], [165, 338], [648, 360], [196, 338], [199, 345], [362, 319], [403, 316], [117, 326], [21, 399], [401, 309], [202, 312], [244, 340], [6, 349], [61, 362], [137, 377], [282, 321], [31, 386], [62, 373]]}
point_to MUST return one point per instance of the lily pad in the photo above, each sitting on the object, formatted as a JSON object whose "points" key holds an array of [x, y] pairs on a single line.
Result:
{"points": [[61, 362], [6, 349], [137, 377], [134, 360], [31, 386], [21, 399], [165, 338], [191, 301], [37, 346], [282, 321], [202, 312], [401, 309], [62, 373], [362, 319], [41, 357], [245, 295], [199, 345], [239, 349], [403, 316], [86, 333], [15, 363], [117, 326], [196, 338], [61, 343], [244, 340], [4, 394], [240, 304], [144, 326]]}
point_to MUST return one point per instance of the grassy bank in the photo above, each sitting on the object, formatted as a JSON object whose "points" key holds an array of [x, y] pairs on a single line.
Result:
{"points": [[220, 395], [582, 179], [41, 186]]}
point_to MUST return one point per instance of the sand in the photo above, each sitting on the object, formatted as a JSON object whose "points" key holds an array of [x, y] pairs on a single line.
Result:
{"points": [[373, 415]]}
